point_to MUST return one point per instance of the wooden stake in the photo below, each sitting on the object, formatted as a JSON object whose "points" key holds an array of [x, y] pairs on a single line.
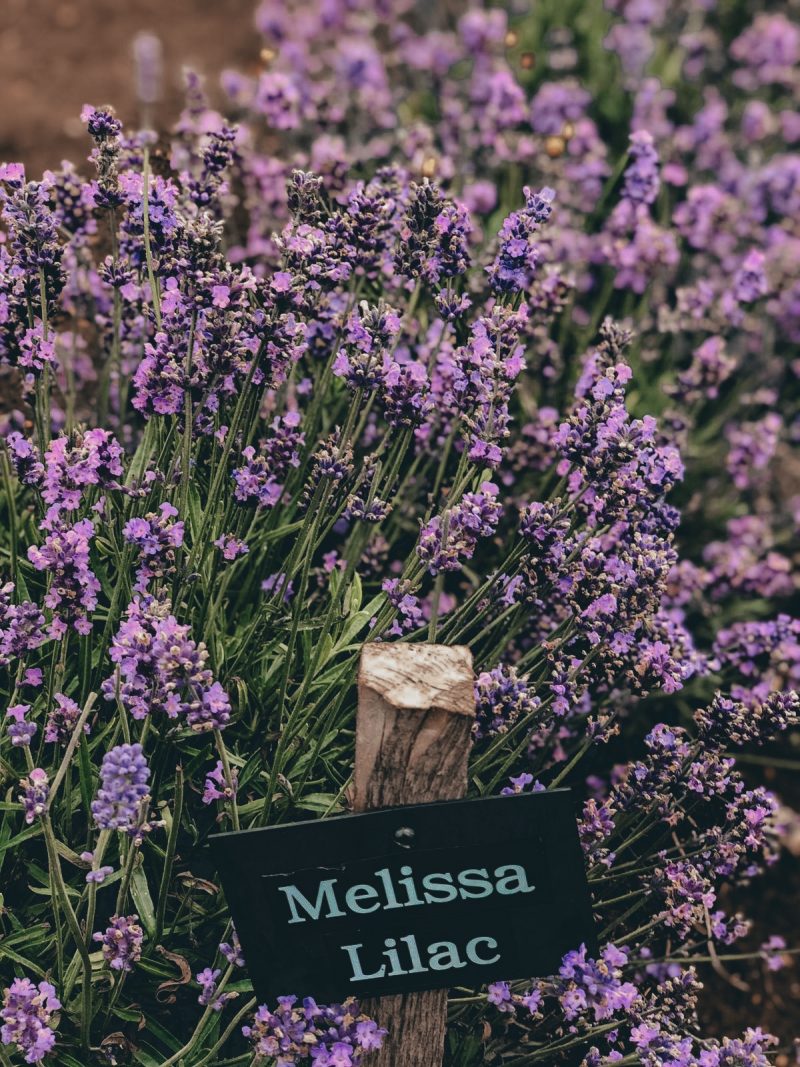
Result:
{"points": [[416, 707]]}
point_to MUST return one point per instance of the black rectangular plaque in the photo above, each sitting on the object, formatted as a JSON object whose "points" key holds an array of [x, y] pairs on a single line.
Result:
{"points": [[405, 899]]}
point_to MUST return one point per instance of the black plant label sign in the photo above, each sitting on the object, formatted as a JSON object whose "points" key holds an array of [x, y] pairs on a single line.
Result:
{"points": [[460, 893]]}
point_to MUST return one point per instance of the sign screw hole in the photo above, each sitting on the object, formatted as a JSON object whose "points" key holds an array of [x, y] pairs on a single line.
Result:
{"points": [[404, 837]]}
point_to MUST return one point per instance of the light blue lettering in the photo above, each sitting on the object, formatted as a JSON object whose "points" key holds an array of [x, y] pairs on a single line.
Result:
{"points": [[444, 956], [437, 884], [417, 966], [355, 964], [355, 894], [476, 878], [472, 949], [512, 879], [325, 895]]}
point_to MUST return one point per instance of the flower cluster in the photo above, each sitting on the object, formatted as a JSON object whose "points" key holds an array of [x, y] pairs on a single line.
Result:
{"points": [[35, 794], [121, 942], [21, 626], [161, 669], [447, 541], [156, 537], [338, 1034], [27, 1014], [65, 556], [123, 792], [501, 697], [62, 720]]}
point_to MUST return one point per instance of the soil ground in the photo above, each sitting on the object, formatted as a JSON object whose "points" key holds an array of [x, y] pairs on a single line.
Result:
{"points": [[56, 55]]}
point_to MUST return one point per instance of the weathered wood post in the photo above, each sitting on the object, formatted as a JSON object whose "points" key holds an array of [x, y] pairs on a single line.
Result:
{"points": [[416, 706]]}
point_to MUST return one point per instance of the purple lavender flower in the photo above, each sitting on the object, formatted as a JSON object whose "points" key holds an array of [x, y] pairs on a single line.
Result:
{"points": [[520, 783], [768, 51], [750, 281], [99, 875], [499, 994], [123, 790], [557, 104], [409, 612], [686, 894], [331, 463], [217, 157], [72, 465], [231, 547], [752, 446], [216, 786], [642, 180], [711, 365], [37, 353], [74, 587], [35, 794], [363, 504], [772, 951], [764, 654], [279, 101], [372, 211], [105, 129], [728, 929], [27, 1015], [595, 827], [257, 480], [637, 248], [159, 381], [281, 449], [62, 719], [161, 669], [405, 394], [21, 626], [447, 541], [477, 382], [157, 537], [338, 1033], [594, 989], [519, 255], [433, 236], [207, 980], [121, 942], [501, 697], [364, 361], [233, 951], [726, 721], [278, 583], [25, 459], [20, 731], [37, 255], [162, 196]]}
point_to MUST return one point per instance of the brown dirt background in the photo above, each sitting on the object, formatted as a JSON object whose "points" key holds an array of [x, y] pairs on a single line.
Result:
{"points": [[56, 55]]}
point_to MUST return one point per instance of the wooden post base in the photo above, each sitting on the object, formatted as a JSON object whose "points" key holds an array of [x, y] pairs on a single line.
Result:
{"points": [[416, 707], [417, 1025]]}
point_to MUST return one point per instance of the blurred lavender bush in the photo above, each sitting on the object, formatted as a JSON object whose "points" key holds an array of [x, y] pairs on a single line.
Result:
{"points": [[458, 325]]}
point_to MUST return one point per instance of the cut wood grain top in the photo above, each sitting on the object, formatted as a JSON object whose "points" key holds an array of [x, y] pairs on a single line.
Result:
{"points": [[419, 677]]}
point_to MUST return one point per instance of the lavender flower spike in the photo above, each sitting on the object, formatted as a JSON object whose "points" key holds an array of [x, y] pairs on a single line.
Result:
{"points": [[121, 942], [123, 788], [35, 794], [26, 1013]]}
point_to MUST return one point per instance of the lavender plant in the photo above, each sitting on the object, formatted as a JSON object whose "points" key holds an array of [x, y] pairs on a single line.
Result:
{"points": [[423, 340]]}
